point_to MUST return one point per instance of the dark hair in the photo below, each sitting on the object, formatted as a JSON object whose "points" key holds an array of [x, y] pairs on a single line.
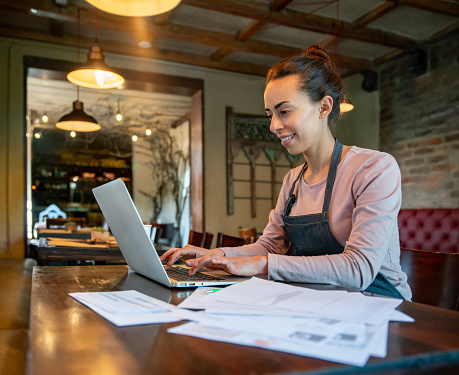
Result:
{"points": [[318, 77]]}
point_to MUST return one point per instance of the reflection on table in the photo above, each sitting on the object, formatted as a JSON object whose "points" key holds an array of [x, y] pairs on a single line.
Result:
{"points": [[52, 249], [68, 336], [84, 233], [82, 251]]}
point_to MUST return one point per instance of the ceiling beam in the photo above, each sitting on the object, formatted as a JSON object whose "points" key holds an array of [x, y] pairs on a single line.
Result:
{"points": [[450, 8], [304, 21], [125, 48], [251, 29], [374, 14], [191, 34]]}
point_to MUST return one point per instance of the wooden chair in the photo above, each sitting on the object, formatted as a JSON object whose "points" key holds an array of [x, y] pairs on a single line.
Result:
{"points": [[432, 276], [224, 240], [248, 233], [200, 239]]}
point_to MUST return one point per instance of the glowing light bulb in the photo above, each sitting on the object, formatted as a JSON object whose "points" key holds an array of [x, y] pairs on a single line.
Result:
{"points": [[72, 134], [99, 78], [37, 135], [119, 117], [148, 132], [134, 138], [44, 118]]}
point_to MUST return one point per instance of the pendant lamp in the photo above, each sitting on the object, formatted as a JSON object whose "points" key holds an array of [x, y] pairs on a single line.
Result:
{"points": [[346, 106], [95, 74], [135, 8], [78, 120]]}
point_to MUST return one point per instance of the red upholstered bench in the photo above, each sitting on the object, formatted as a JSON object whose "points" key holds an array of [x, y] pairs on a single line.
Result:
{"points": [[434, 229]]}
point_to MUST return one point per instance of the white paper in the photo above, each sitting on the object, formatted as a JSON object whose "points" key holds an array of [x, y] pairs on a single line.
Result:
{"points": [[398, 316], [272, 297], [355, 357], [124, 308], [332, 325]]}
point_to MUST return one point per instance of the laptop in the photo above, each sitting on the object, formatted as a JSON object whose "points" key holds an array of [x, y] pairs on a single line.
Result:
{"points": [[138, 250]]}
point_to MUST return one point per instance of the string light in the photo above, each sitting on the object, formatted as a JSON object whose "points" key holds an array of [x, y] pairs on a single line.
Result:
{"points": [[72, 134], [134, 138], [118, 116], [44, 117], [148, 132], [38, 135]]}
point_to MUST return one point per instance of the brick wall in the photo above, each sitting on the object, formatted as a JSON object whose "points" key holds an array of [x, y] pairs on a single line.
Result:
{"points": [[419, 124]]}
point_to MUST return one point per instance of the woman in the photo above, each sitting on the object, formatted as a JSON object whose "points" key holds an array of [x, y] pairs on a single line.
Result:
{"points": [[335, 221]]}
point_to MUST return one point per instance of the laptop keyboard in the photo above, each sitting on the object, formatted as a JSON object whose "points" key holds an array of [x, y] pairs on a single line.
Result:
{"points": [[181, 274]]}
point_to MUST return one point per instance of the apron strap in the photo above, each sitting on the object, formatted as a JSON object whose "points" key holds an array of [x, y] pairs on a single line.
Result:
{"points": [[291, 197], [336, 157]]}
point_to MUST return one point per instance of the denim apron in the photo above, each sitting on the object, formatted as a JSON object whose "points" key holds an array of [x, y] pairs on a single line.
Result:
{"points": [[310, 235]]}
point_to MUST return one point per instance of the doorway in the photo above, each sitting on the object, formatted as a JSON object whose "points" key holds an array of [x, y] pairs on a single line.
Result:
{"points": [[64, 167]]}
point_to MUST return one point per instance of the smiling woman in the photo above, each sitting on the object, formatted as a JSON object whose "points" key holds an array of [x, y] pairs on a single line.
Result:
{"points": [[335, 221]]}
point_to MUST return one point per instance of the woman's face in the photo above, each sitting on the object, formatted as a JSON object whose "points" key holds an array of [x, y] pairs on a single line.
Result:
{"points": [[295, 120]]}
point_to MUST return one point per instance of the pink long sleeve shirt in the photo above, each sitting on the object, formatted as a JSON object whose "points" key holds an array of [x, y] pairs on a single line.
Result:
{"points": [[364, 206]]}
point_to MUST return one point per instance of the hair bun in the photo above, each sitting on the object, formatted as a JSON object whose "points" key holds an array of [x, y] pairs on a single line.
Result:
{"points": [[318, 52]]}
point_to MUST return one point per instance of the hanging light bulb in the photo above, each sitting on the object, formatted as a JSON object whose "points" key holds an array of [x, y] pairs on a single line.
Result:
{"points": [[95, 74], [346, 106], [73, 134], [135, 8], [38, 135], [44, 117], [148, 132], [118, 116], [78, 120], [134, 138]]}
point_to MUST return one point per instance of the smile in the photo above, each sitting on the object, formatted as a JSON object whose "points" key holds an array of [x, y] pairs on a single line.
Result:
{"points": [[287, 138]]}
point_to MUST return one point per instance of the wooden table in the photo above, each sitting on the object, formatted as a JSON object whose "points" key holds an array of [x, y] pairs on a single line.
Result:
{"points": [[112, 253], [63, 233], [68, 338], [82, 252], [15, 286]]}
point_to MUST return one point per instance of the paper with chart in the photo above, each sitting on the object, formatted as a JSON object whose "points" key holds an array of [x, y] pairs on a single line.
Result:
{"points": [[332, 325], [129, 307], [269, 296]]}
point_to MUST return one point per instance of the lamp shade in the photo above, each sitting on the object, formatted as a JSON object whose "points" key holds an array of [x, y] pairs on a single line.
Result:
{"points": [[135, 8], [95, 74], [78, 120], [346, 106]]}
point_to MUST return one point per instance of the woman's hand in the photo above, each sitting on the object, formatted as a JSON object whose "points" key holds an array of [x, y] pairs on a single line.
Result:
{"points": [[189, 252], [242, 266]]}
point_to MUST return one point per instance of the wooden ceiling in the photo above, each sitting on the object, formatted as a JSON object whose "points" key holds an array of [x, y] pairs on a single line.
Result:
{"points": [[245, 36]]}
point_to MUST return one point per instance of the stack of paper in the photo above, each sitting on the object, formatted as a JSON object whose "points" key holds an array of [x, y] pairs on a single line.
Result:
{"points": [[332, 325]]}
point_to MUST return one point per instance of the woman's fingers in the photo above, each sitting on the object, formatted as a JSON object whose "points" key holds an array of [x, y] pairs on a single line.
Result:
{"points": [[205, 261], [168, 253], [188, 251], [197, 264]]}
